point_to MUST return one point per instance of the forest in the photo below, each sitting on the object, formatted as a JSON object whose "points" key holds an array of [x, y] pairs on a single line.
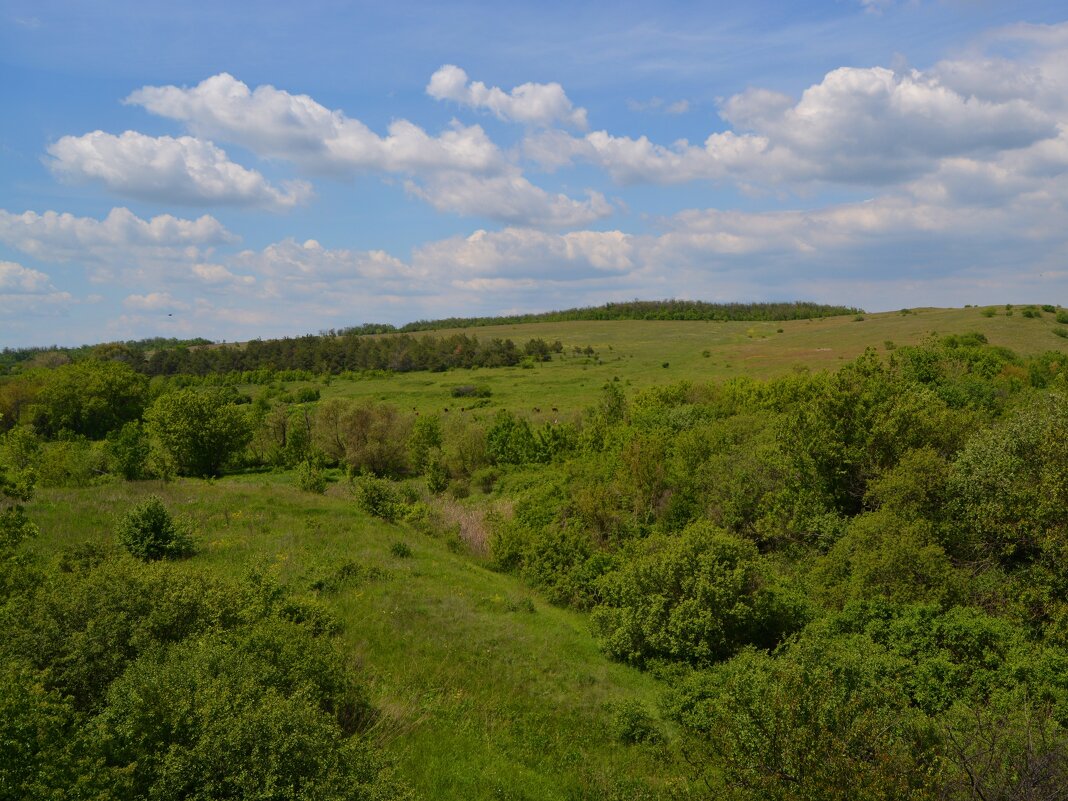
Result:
{"points": [[843, 584]]}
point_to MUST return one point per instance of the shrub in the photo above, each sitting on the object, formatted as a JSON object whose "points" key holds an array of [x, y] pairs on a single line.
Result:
{"points": [[1062, 317], [1049, 308], [696, 597], [307, 394], [1060, 332], [149, 532], [470, 391], [377, 497], [988, 312], [311, 478], [632, 724], [437, 476], [400, 550]]}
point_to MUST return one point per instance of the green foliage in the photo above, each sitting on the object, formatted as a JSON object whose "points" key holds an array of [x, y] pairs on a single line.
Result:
{"points": [[377, 497], [196, 432], [823, 719], [311, 477], [1008, 489], [149, 532], [17, 482], [470, 391], [128, 451], [124, 680], [632, 724], [697, 597], [365, 436], [90, 398], [424, 439], [401, 550], [883, 555]]}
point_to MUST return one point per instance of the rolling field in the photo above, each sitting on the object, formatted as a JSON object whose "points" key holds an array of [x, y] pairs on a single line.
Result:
{"points": [[486, 691], [635, 352]]}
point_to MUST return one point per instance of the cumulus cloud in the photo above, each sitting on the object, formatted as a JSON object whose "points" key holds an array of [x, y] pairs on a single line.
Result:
{"points": [[276, 124], [459, 170], [290, 269], [57, 237], [529, 103], [218, 275], [25, 290], [167, 169], [153, 301], [509, 197], [519, 253], [16, 278], [864, 126]]}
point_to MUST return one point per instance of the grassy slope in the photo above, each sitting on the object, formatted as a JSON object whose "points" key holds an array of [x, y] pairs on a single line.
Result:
{"points": [[635, 351], [483, 699], [485, 696]]}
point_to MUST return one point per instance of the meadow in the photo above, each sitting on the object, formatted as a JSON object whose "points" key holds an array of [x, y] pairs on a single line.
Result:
{"points": [[467, 613], [636, 352]]}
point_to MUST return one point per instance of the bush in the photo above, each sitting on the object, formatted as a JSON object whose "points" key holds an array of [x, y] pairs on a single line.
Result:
{"points": [[400, 550], [696, 597], [311, 478], [377, 497], [632, 724], [437, 476], [1062, 317], [470, 391], [149, 532]]}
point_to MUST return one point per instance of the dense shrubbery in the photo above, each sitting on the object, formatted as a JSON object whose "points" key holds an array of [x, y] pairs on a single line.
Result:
{"points": [[127, 680]]}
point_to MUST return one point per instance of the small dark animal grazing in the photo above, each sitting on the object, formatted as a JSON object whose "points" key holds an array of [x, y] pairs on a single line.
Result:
{"points": [[555, 409], [537, 409], [446, 408]]}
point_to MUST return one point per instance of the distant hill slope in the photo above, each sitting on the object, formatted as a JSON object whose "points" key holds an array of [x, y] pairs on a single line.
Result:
{"points": [[633, 310]]}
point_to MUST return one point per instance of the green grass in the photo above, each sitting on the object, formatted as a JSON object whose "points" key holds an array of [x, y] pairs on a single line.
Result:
{"points": [[635, 352], [486, 691]]}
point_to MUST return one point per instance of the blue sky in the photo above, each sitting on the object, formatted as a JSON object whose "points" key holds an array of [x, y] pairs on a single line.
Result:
{"points": [[239, 170]]}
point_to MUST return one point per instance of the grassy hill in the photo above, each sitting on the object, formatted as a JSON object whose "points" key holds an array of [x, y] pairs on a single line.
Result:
{"points": [[635, 352], [486, 691]]}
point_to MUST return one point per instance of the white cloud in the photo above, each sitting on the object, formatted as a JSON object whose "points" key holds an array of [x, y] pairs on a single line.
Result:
{"points": [[521, 253], [866, 126], [121, 236], [16, 278], [24, 290], [276, 124], [460, 170], [218, 275], [529, 103], [290, 269], [166, 169], [153, 301], [510, 198]]}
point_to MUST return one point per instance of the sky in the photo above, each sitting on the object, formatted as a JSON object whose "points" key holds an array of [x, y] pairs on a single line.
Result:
{"points": [[237, 170]]}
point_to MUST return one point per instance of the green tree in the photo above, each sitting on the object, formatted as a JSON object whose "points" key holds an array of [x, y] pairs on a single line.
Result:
{"points": [[90, 398], [696, 597], [823, 720], [196, 432]]}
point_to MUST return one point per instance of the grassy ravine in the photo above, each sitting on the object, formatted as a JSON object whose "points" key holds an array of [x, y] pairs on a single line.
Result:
{"points": [[635, 353], [486, 691]]}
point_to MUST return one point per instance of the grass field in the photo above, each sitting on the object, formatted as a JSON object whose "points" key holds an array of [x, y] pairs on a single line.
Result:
{"points": [[635, 352], [487, 692]]}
